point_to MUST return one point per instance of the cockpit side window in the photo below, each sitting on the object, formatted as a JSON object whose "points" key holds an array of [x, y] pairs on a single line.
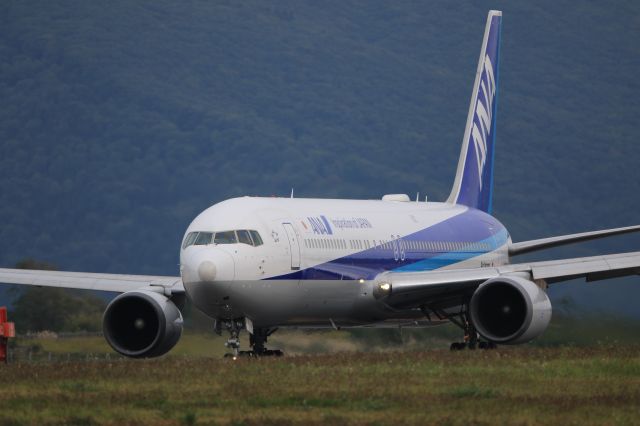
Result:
{"points": [[225, 237], [257, 241], [244, 237], [191, 237], [203, 238]]}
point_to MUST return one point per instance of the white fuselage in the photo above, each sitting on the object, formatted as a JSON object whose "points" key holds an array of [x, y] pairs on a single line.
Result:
{"points": [[318, 259]]}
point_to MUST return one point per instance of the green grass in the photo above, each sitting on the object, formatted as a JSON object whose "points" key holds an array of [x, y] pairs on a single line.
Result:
{"points": [[195, 344], [524, 385]]}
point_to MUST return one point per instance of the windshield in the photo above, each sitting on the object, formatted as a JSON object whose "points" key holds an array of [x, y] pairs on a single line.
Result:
{"points": [[243, 236], [226, 237], [203, 238]]}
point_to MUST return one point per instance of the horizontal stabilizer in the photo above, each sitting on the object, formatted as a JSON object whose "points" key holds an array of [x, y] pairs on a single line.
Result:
{"points": [[544, 243]]}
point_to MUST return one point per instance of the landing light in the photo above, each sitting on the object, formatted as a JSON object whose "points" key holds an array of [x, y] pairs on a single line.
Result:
{"points": [[361, 280], [382, 290]]}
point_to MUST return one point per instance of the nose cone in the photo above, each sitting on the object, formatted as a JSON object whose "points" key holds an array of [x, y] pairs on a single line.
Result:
{"points": [[207, 271], [207, 275], [207, 265]]}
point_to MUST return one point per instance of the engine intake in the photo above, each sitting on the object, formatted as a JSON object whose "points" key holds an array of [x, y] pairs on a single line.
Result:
{"points": [[142, 324], [510, 310]]}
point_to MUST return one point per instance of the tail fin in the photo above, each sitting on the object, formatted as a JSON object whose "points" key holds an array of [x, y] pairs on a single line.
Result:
{"points": [[473, 186]]}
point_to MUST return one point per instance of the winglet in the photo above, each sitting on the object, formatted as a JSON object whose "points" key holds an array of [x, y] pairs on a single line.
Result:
{"points": [[473, 185]]}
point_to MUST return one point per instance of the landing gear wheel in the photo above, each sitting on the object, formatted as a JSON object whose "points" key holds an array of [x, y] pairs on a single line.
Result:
{"points": [[487, 345], [463, 321], [258, 339], [457, 346]]}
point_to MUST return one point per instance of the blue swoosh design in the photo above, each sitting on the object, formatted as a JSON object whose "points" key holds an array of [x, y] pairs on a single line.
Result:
{"points": [[476, 231]]}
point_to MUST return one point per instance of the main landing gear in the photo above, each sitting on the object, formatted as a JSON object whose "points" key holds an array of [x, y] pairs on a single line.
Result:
{"points": [[257, 339], [471, 338]]}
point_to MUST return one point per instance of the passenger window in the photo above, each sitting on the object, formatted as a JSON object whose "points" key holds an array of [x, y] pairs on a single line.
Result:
{"points": [[203, 238], [244, 237], [257, 241], [189, 239], [225, 237]]}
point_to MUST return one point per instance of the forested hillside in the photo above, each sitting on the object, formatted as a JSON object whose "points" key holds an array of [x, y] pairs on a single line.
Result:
{"points": [[120, 121]]}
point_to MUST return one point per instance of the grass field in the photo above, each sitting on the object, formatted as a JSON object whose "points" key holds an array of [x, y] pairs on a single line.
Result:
{"points": [[524, 385]]}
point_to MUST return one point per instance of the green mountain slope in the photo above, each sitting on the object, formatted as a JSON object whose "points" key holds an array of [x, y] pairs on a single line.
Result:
{"points": [[121, 121]]}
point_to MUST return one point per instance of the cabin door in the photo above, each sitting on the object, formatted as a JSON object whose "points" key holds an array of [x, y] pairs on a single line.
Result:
{"points": [[294, 245]]}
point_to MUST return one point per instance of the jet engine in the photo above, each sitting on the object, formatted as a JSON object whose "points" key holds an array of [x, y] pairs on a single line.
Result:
{"points": [[142, 324], [510, 310]]}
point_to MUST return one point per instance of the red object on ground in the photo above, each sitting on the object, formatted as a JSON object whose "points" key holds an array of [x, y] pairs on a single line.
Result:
{"points": [[7, 329]]}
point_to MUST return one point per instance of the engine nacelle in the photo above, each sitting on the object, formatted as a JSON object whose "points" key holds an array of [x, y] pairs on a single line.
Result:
{"points": [[142, 324], [510, 310]]}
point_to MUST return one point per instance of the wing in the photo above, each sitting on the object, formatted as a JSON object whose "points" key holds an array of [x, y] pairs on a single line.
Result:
{"points": [[543, 243], [451, 287], [90, 281]]}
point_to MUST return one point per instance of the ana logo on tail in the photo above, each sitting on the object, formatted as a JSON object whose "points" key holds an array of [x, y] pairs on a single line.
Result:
{"points": [[484, 110], [474, 176]]}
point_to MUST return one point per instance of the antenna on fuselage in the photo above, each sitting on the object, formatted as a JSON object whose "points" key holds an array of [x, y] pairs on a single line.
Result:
{"points": [[291, 192], [417, 196]]}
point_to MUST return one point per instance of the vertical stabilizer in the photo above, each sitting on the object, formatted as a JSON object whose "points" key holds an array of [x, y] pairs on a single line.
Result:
{"points": [[473, 186]]}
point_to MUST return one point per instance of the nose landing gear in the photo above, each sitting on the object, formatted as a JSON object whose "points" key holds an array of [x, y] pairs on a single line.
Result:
{"points": [[257, 339], [233, 342]]}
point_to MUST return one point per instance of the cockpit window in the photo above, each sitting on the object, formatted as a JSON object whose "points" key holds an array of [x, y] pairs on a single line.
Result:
{"points": [[191, 237], [226, 237], [244, 237], [203, 238], [257, 241]]}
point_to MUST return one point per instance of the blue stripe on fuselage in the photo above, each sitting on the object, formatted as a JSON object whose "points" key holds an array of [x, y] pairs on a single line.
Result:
{"points": [[468, 228], [452, 257]]}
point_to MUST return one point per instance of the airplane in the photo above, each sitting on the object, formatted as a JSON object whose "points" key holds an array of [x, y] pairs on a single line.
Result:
{"points": [[258, 264]]}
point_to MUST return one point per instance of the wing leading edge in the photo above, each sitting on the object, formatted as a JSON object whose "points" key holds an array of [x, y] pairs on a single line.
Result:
{"points": [[544, 243], [90, 281], [414, 288]]}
